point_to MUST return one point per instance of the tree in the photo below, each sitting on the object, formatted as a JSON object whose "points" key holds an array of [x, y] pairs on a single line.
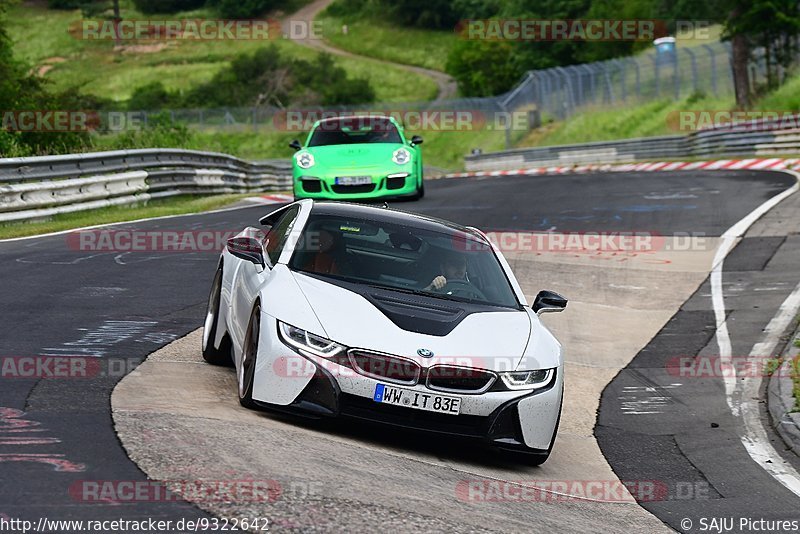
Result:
{"points": [[483, 68], [771, 25]]}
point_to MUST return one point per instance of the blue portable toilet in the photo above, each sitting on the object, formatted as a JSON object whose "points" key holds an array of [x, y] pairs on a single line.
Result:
{"points": [[665, 46]]}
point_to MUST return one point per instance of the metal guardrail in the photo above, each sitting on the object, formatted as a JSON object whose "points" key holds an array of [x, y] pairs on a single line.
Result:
{"points": [[600, 152], [763, 138], [39, 187]]}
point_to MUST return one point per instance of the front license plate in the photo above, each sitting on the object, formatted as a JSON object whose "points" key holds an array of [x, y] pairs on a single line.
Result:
{"points": [[353, 180], [417, 400]]}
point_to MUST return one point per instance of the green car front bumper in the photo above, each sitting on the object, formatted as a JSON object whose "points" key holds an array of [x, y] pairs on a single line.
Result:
{"points": [[382, 186]]}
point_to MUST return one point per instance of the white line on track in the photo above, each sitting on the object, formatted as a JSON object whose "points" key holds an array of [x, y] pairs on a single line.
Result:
{"points": [[740, 395], [62, 232], [755, 438]]}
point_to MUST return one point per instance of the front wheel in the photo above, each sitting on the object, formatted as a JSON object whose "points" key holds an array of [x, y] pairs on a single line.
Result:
{"points": [[211, 354], [420, 192], [247, 369]]}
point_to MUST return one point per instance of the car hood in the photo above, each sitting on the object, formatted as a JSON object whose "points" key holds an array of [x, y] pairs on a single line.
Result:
{"points": [[493, 340], [364, 156]]}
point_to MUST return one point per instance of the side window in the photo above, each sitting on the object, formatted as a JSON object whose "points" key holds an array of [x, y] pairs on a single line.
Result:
{"points": [[277, 235]]}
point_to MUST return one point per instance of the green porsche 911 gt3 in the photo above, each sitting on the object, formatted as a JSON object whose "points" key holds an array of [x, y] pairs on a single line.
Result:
{"points": [[357, 158]]}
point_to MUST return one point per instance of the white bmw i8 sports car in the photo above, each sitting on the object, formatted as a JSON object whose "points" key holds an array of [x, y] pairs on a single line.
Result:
{"points": [[334, 309]]}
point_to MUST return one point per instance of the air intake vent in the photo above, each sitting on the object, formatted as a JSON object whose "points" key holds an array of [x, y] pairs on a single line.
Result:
{"points": [[459, 379], [385, 367]]}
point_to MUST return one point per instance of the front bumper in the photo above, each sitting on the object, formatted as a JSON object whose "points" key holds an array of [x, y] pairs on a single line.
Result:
{"points": [[515, 420], [307, 185]]}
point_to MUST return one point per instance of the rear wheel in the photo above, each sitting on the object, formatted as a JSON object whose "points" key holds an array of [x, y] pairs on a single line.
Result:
{"points": [[247, 369], [211, 354]]}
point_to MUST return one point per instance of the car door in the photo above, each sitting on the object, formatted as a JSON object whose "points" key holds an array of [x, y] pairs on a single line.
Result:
{"points": [[249, 277]]}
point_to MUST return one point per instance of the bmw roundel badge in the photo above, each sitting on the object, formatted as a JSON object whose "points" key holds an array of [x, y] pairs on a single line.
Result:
{"points": [[425, 353]]}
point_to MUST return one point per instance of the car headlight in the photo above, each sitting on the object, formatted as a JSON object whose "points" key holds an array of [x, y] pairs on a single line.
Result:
{"points": [[305, 160], [527, 379], [401, 156], [306, 341]]}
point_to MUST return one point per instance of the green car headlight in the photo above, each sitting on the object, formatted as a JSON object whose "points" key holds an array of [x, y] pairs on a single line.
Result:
{"points": [[305, 160], [401, 156]]}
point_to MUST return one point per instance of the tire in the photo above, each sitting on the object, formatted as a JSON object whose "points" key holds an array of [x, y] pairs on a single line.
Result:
{"points": [[420, 192], [247, 369], [212, 355]]}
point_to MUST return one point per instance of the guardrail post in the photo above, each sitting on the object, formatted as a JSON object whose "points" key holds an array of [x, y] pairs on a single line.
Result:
{"points": [[676, 73], [657, 75], [508, 121], [693, 60], [622, 78], [568, 100], [713, 63], [609, 89]]}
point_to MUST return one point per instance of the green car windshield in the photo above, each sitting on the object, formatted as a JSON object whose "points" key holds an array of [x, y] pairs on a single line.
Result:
{"points": [[355, 130]]}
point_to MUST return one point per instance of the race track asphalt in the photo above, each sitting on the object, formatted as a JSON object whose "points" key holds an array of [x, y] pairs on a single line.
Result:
{"points": [[118, 307]]}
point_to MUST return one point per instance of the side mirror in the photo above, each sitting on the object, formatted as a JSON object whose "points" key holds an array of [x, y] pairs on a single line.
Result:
{"points": [[295, 145], [548, 301], [416, 140], [247, 248]]}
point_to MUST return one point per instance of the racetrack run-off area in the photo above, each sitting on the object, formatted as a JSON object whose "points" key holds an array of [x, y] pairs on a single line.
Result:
{"points": [[176, 418]]}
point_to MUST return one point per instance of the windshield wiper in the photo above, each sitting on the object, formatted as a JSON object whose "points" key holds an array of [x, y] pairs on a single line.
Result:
{"points": [[412, 291]]}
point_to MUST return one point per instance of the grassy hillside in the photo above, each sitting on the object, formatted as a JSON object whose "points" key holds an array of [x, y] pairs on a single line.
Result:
{"points": [[379, 39], [608, 123], [42, 38]]}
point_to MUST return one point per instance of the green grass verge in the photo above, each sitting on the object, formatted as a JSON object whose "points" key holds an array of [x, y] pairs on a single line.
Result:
{"points": [[153, 208], [382, 40], [445, 150], [41, 37], [622, 122]]}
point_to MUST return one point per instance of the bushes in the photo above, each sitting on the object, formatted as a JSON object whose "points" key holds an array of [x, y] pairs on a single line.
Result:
{"points": [[483, 68], [331, 83], [64, 4], [152, 96], [164, 6], [21, 91], [435, 14], [242, 9], [264, 78], [159, 132]]}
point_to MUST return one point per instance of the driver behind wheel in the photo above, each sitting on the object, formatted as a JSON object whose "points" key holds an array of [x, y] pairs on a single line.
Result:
{"points": [[454, 267]]}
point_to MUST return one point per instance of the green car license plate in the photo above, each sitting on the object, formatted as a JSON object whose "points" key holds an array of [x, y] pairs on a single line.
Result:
{"points": [[353, 180]]}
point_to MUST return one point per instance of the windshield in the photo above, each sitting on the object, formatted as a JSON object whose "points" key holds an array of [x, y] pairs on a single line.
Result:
{"points": [[450, 264], [355, 130]]}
